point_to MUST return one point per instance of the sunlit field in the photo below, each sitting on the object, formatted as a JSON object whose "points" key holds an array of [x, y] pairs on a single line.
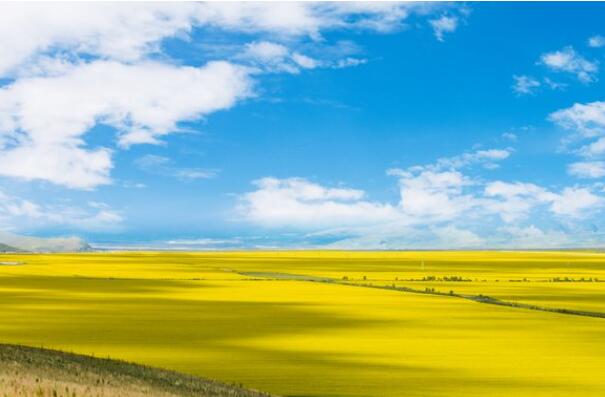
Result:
{"points": [[314, 323]]}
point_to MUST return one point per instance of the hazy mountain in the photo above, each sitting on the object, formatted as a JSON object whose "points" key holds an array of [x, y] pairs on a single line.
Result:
{"points": [[14, 242], [8, 248]]}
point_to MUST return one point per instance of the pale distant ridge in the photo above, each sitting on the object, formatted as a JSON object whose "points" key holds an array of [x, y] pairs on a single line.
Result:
{"points": [[8, 248], [10, 242]]}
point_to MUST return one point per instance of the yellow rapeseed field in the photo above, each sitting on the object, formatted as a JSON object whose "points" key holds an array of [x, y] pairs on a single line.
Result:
{"points": [[313, 323]]}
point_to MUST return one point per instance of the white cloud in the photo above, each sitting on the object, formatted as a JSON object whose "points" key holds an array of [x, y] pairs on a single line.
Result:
{"points": [[16, 207], [133, 185], [130, 31], [62, 162], [596, 41], [397, 236], [18, 214], [436, 192], [524, 85], [518, 199], [266, 51], [434, 195], [533, 237], [568, 60], [444, 24], [575, 202], [299, 203], [452, 236], [190, 174], [587, 119], [514, 201], [202, 244], [434, 209], [428, 195], [528, 85], [274, 57], [203, 241], [509, 136], [594, 149], [487, 158], [151, 162], [299, 18], [554, 85], [304, 61], [587, 169], [349, 62], [78, 65], [122, 32], [44, 120], [160, 165], [587, 125]]}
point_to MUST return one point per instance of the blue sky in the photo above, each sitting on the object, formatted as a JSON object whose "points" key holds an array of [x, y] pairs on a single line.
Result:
{"points": [[350, 125]]}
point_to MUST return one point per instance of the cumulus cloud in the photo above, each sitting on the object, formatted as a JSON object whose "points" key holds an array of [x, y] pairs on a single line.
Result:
{"points": [[43, 120], [568, 60], [438, 206], [596, 41], [436, 192], [79, 65], [444, 24], [575, 202], [587, 119], [514, 201], [587, 169], [397, 236], [131, 32], [434, 210], [509, 136], [266, 51], [594, 149], [306, 18], [299, 203], [518, 199], [17, 213], [586, 122], [524, 85], [266, 56], [532, 236], [434, 195], [554, 85], [124, 32], [274, 57], [452, 236]]}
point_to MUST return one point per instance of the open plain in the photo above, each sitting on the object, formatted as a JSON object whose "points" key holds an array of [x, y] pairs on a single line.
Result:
{"points": [[325, 323]]}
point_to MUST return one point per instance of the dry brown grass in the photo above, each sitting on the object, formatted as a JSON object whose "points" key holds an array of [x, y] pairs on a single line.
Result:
{"points": [[33, 372], [18, 381]]}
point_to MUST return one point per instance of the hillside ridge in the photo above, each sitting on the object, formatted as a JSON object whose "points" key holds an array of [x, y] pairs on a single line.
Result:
{"points": [[31, 371]]}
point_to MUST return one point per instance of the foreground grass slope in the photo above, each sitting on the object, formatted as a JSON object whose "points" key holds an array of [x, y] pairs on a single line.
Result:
{"points": [[262, 319], [35, 372]]}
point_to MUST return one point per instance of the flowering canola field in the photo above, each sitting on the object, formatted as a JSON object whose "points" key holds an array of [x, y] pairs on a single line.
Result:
{"points": [[323, 323]]}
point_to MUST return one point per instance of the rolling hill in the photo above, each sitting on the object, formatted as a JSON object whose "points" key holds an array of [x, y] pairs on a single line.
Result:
{"points": [[10, 242], [28, 372]]}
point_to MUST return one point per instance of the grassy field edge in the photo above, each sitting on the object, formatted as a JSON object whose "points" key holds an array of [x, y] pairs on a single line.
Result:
{"points": [[25, 362]]}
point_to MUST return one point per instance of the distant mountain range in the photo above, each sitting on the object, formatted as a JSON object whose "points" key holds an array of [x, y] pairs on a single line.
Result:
{"points": [[8, 248], [10, 242]]}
